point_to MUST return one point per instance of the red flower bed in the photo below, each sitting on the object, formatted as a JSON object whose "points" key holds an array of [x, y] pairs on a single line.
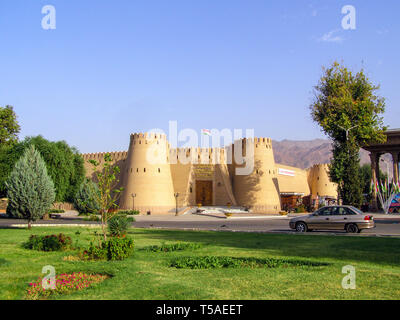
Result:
{"points": [[65, 283]]}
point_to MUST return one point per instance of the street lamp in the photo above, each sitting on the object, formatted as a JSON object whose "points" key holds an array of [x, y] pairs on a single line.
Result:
{"points": [[176, 195], [133, 200]]}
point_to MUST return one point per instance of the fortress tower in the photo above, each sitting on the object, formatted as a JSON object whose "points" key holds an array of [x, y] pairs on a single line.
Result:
{"points": [[258, 190], [152, 173], [320, 183], [147, 179]]}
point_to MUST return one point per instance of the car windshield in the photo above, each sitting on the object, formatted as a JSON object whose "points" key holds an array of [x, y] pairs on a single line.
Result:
{"points": [[357, 210]]}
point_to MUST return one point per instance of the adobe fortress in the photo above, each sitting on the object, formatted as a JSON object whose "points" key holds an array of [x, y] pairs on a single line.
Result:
{"points": [[152, 174]]}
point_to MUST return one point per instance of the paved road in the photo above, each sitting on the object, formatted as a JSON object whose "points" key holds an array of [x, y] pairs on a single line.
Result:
{"points": [[384, 227]]}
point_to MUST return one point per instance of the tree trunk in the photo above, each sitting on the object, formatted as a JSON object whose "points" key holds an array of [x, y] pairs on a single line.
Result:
{"points": [[103, 226]]}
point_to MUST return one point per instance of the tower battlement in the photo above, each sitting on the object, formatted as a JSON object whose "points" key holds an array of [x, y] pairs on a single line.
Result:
{"points": [[152, 174]]}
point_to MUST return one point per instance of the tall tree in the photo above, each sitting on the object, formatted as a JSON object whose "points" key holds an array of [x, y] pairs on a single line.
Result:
{"points": [[9, 127], [64, 165], [30, 190], [349, 111]]}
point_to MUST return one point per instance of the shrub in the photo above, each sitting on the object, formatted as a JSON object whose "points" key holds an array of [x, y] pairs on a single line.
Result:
{"points": [[118, 225], [65, 283], [85, 200], [112, 249], [180, 246], [30, 190], [95, 252], [214, 262], [48, 243], [92, 217], [300, 209], [129, 212], [119, 248]]}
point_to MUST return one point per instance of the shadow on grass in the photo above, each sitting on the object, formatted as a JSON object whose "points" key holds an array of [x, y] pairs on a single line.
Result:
{"points": [[343, 248], [3, 262], [14, 228]]}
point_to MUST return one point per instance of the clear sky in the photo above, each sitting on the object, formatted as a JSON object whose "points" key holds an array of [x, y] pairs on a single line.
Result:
{"points": [[111, 68]]}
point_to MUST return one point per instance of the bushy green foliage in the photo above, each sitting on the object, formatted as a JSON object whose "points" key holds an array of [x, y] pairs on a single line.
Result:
{"points": [[349, 111], [180, 246], [119, 248], [86, 199], [64, 165], [113, 249], [366, 176], [48, 243], [56, 211], [30, 190], [118, 225], [92, 217], [95, 252], [300, 209], [129, 212], [215, 262], [9, 127]]}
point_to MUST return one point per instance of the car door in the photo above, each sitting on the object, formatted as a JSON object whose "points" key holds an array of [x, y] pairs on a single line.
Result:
{"points": [[338, 218], [321, 219]]}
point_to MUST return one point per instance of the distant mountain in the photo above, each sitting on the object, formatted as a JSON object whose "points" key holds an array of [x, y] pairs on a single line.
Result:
{"points": [[304, 154]]}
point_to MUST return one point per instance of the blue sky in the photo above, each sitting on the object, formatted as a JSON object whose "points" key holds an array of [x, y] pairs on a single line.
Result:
{"points": [[111, 68]]}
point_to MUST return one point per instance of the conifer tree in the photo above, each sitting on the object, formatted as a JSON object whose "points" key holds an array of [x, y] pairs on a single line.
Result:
{"points": [[30, 190]]}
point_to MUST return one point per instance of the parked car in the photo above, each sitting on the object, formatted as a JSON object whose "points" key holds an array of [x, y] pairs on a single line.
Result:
{"points": [[346, 218]]}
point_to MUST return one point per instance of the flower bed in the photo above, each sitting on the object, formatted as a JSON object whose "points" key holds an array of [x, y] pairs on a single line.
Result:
{"points": [[65, 284]]}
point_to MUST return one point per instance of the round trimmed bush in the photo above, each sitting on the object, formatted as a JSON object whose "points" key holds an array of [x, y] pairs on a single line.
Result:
{"points": [[86, 198]]}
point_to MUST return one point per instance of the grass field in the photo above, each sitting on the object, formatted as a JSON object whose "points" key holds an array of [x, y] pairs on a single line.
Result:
{"points": [[148, 275]]}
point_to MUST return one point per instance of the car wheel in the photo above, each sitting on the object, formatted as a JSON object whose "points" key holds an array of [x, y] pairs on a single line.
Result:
{"points": [[301, 227], [352, 228]]}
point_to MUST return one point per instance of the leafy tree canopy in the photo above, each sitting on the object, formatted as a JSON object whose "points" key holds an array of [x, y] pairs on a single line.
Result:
{"points": [[9, 127], [345, 100], [349, 111], [64, 165]]}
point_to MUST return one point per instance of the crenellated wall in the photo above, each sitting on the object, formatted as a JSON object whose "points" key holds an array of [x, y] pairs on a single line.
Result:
{"points": [[153, 172]]}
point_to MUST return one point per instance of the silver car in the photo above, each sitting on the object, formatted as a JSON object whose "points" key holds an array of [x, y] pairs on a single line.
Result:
{"points": [[346, 218]]}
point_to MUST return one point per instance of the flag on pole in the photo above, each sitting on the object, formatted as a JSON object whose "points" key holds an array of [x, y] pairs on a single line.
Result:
{"points": [[371, 186], [206, 132]]}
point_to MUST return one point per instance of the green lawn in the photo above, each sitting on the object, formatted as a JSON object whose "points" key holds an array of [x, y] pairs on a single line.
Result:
{"points": [[148, 275]]}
